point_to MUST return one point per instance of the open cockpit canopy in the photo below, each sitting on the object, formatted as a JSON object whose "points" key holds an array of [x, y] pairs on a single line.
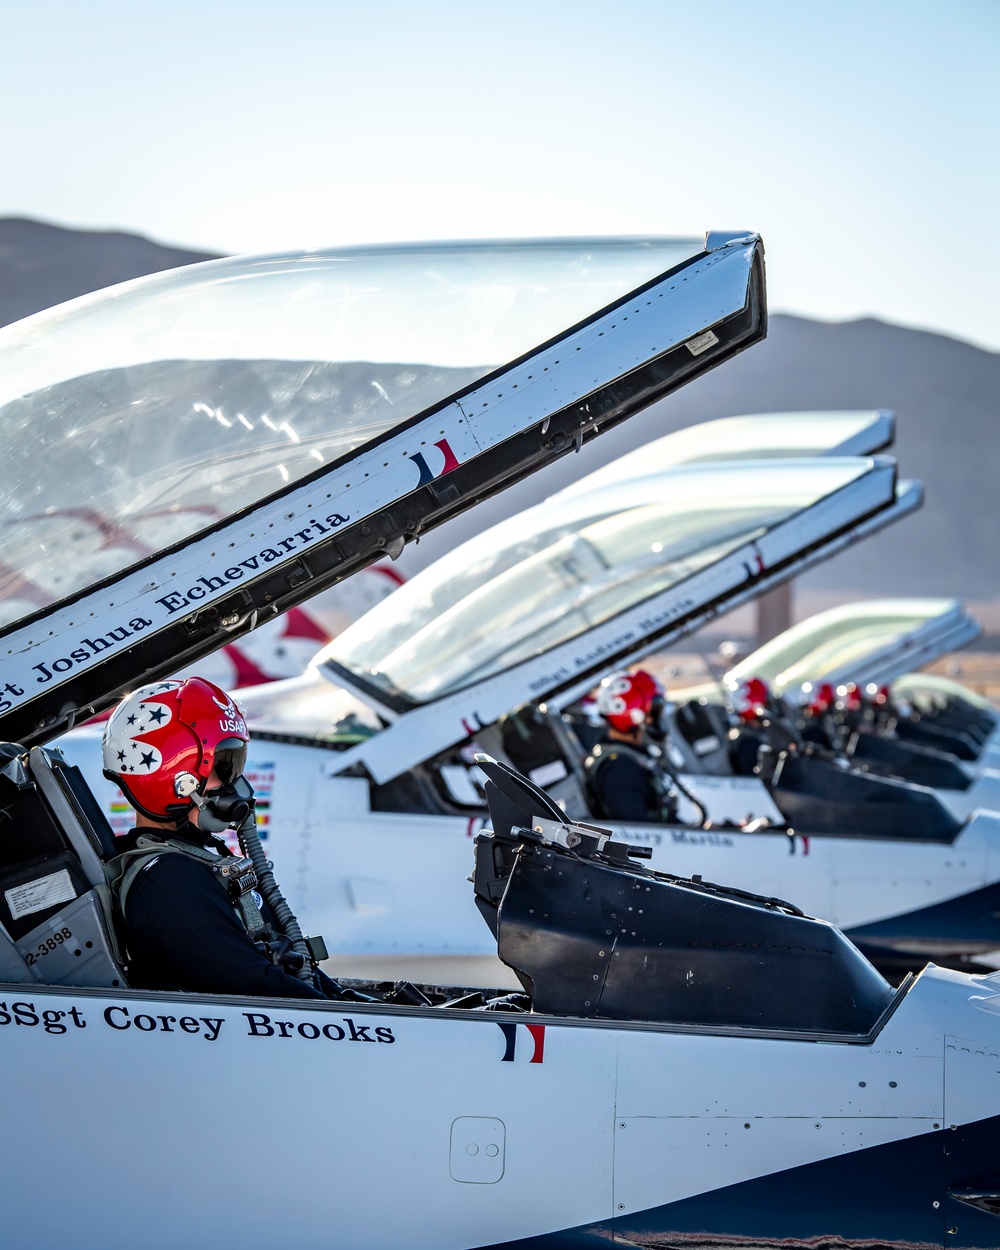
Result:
{"points": [[756, 436], [873, 641], [556, 571], [549, 598], [189, 453]]}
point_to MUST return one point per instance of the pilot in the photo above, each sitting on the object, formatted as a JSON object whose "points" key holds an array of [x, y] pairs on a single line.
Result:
{"points": [[760, 730], [817, 702], [623, 775], [175, 748]]}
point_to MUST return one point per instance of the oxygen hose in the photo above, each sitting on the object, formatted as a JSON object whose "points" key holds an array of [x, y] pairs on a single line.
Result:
{"points": [[251, 845], [665, 768], [691, 798]]}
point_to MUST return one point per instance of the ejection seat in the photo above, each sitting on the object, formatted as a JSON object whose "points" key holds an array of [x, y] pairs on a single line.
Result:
{"points": [[819, 796], [56, 921], [546, 745], [699, 730], [686, 952], [941, 732]]}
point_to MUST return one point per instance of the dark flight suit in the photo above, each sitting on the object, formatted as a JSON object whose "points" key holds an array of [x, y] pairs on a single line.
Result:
{"points": [[623, 784], [183, 933]]}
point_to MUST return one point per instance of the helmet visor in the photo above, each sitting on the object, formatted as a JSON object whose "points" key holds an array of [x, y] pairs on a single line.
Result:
{"points": [[230, 759]]}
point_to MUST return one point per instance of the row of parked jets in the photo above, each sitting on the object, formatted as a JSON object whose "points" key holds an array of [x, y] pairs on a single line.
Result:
{"points": [[873, 803], [717, 1031]]}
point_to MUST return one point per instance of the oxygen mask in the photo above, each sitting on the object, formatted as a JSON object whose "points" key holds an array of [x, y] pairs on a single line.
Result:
{"points": [[657, 725], [225, 807]]}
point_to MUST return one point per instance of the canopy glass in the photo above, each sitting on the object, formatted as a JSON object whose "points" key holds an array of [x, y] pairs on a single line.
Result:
{"points": [[834, 640], [760, 436], [565, 566], [139, 416], [308, 707]]}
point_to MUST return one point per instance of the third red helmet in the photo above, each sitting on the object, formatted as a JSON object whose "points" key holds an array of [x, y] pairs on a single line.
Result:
{"points": [[819, 698], [849, 697], [750, 698]]}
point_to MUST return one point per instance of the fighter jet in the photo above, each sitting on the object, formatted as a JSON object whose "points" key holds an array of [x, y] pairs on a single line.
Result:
{"points": [[366, 761], [716, 1067]]}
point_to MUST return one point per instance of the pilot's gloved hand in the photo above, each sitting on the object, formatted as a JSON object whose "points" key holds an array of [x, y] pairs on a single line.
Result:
{"points": [[279, 949], [291, 961]]}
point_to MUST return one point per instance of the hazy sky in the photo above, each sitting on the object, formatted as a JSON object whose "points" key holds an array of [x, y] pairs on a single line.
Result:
{"points": [[858, 136]]}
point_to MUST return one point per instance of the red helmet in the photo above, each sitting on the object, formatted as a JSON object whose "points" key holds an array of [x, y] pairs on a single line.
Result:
{"points": [[163, 741], [626, 699], [849, 697], [818, 699], [750, 698]]}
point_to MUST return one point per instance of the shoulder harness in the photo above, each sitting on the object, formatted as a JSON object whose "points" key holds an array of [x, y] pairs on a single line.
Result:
{"points": [[234, 872], [603, 754]]}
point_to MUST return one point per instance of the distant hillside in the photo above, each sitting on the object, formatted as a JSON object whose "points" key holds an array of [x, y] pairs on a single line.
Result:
{"points": [[946, 395], [41, 264]]}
